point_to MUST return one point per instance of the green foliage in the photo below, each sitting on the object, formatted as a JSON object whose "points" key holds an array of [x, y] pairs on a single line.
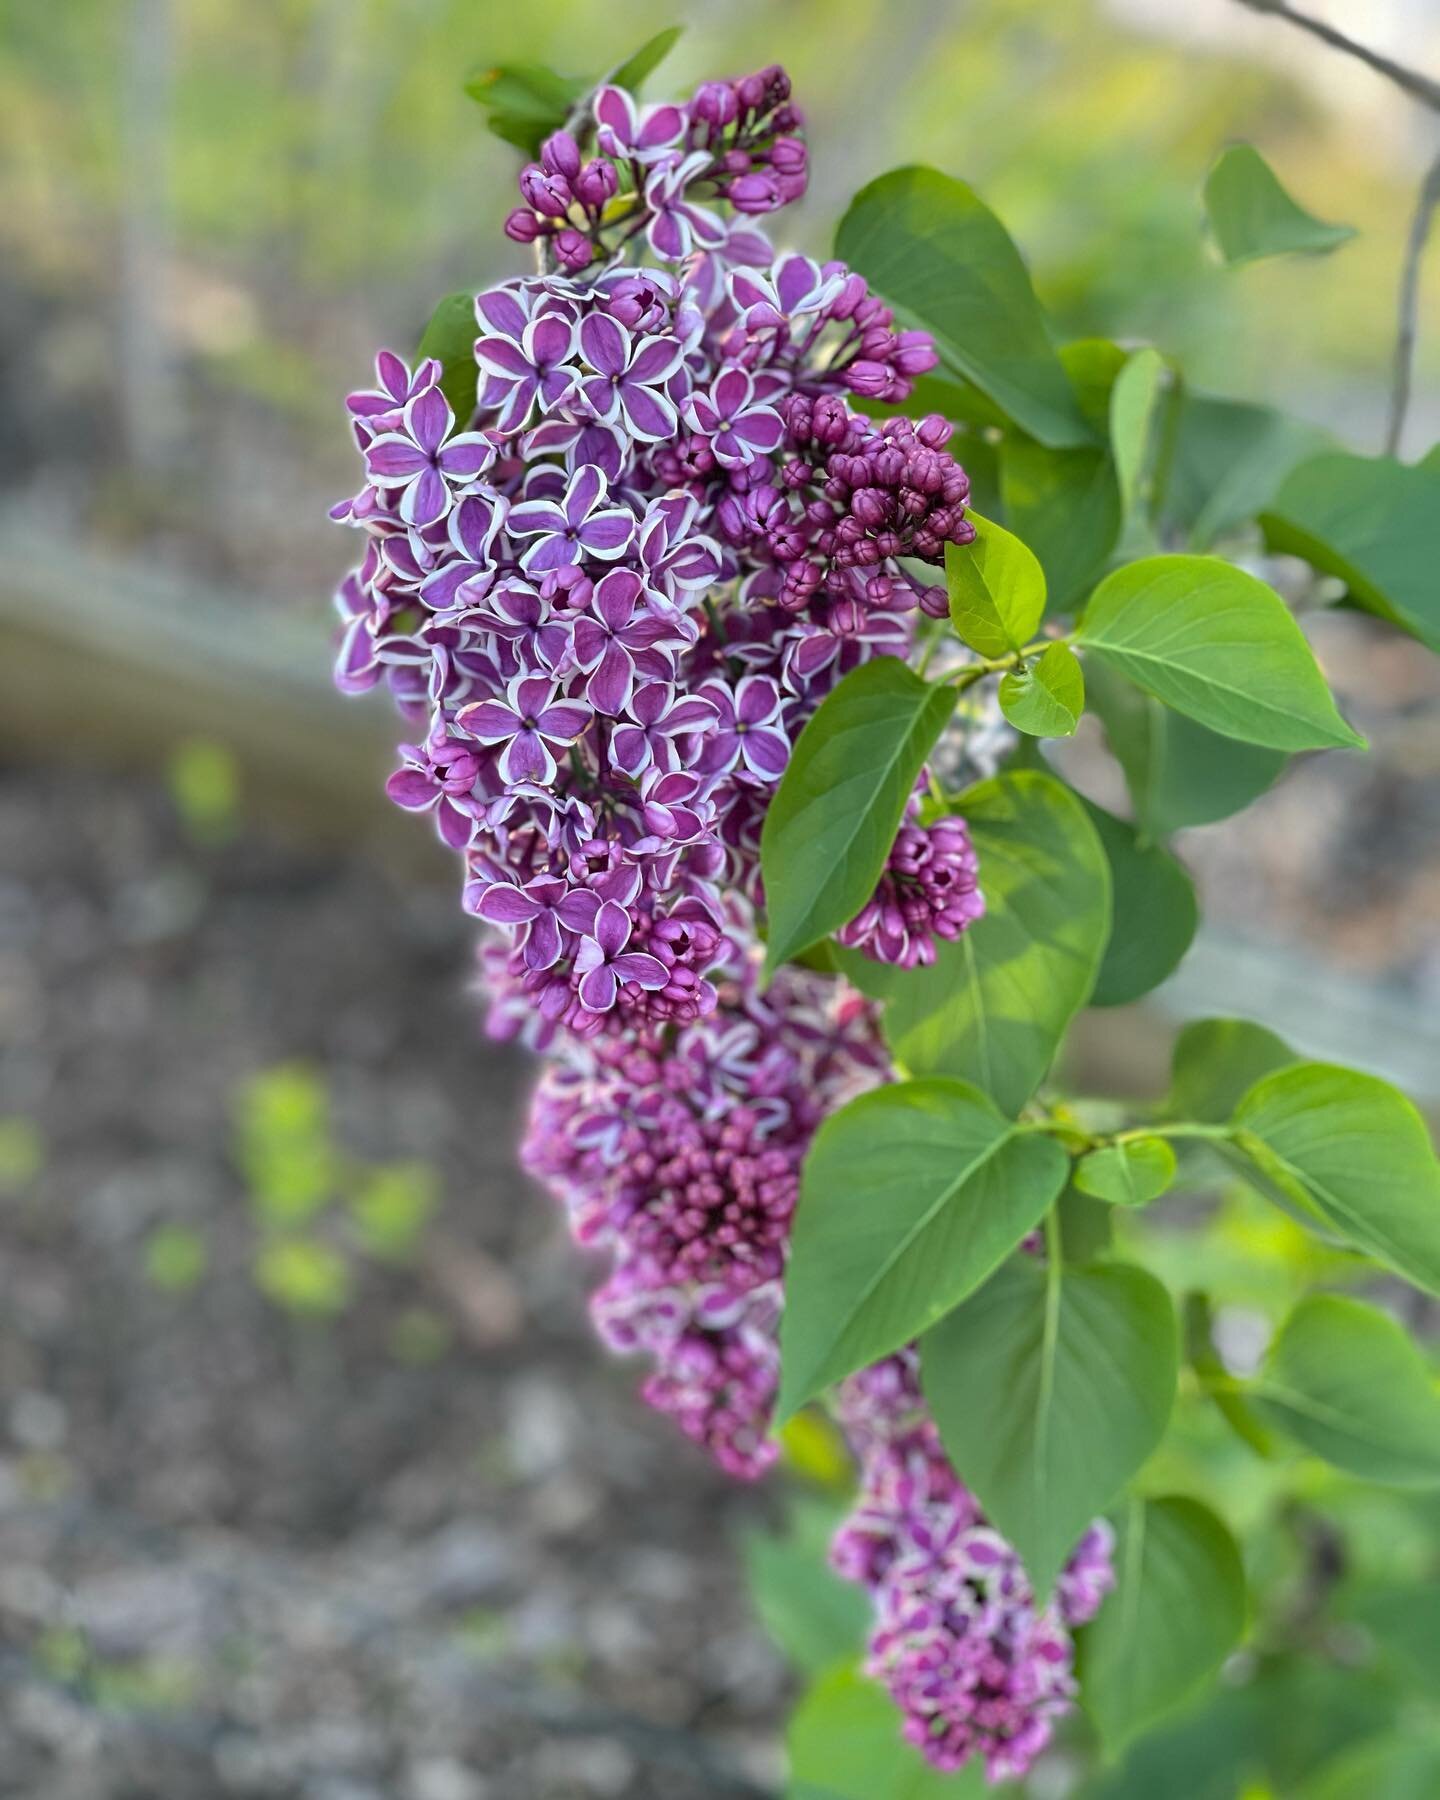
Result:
{"points": [[303, 1275], [1178, 1609], [829, 829], [1397, 1768], [1217, 645], [1153, 912], [636, 70], [814, 1617], [525, 101], [1051, 1386], [995, 1006], [1252, 216], [1374, 523], [1344, 1380], [1230, 458], [22, 1153], [204, 783], [997, 589], [1128, 1173], [1137, 410], [392, 1205], [1350, 1151], [1046, 697], [1178, 773], [1216, 1062], [943, 261], [176, 1258], [844, 1745], [450, 339], [912, 1196]]}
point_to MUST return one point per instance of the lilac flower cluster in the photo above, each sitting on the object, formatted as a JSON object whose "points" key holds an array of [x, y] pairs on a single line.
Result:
{"points": [[607, 597], [974, 1666], [930, 889], [678, 1153]]}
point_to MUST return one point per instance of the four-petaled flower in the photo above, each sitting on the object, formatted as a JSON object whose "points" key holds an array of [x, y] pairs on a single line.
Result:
{"points": [[632, 133], [740, 428], [677, 225], [534, 367], [530, 722], [628, 384], [424, 461], [540, 908], [397, 387], [574, 526], [658, 716], [620, 637], [441, 777], [603, 963], [749, 734]]}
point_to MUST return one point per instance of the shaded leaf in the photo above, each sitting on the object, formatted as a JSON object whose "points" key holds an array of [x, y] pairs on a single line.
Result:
{"points": [[912, 1195], [450, 339], [1373, 522], [1251, 214], [946, 264], [1127, 1174], [1177, 1611], [1344, 1380], [833, 820], [1153, 912], [1353, 1151], [1050, 1387], [845, 1744]]}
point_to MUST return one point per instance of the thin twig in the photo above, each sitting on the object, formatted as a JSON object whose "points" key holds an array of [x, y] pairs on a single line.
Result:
{"points": [[1419, 86], [1410, 307]]}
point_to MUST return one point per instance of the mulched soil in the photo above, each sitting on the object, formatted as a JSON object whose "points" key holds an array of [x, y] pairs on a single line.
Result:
{"points": [[245, 1554]]}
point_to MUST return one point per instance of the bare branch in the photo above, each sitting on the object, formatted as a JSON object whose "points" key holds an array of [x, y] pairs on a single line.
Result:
{"points": [[1419, 87], [1410, 306]]}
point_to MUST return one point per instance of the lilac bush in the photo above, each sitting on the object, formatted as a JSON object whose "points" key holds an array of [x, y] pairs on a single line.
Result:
{"points": [[612, 596]]}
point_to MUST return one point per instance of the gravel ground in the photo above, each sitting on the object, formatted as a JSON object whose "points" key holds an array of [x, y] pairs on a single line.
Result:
{"points": [[243, 1553]]}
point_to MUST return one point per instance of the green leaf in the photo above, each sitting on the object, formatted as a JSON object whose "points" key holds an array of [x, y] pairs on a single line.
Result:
{"points": [[1154, 912], [1135, 412], [1389, 1768], [1229, 461], [1375, 523], [1345, 1381], [845, 1744], [813, 1616], [1218, 645], [1179, 774], [450, 339], [995, 1005], [1216, 1062], [946, 264], [912, 1195], [1046, 697], [1050, 1387], [1128, 1174], [525, 101], [633, 73], [1066, 503], [997, 589], [1251, 215], [834, 817], [1177, 1611], [1353, 1150]]}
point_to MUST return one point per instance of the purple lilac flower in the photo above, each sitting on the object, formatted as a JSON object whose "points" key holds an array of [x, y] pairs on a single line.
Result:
{"points": [[604, 963], [440, 777], [633, 133], [533, 368], [749, 733], [424, 461], [618, 638], [573, 527], [531, 722], [629, 380], [930, 889], [975, 1667], [739, 428]]}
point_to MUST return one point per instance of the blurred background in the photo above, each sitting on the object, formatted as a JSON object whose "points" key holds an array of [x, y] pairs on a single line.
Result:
{"points": [[312, 1483]]}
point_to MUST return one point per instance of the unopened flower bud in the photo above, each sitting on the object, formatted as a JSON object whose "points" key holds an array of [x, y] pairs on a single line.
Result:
{"points": [[715, 104], [560, 155], [548, 194], [522, 227], [573, 249], [596, 184]]}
